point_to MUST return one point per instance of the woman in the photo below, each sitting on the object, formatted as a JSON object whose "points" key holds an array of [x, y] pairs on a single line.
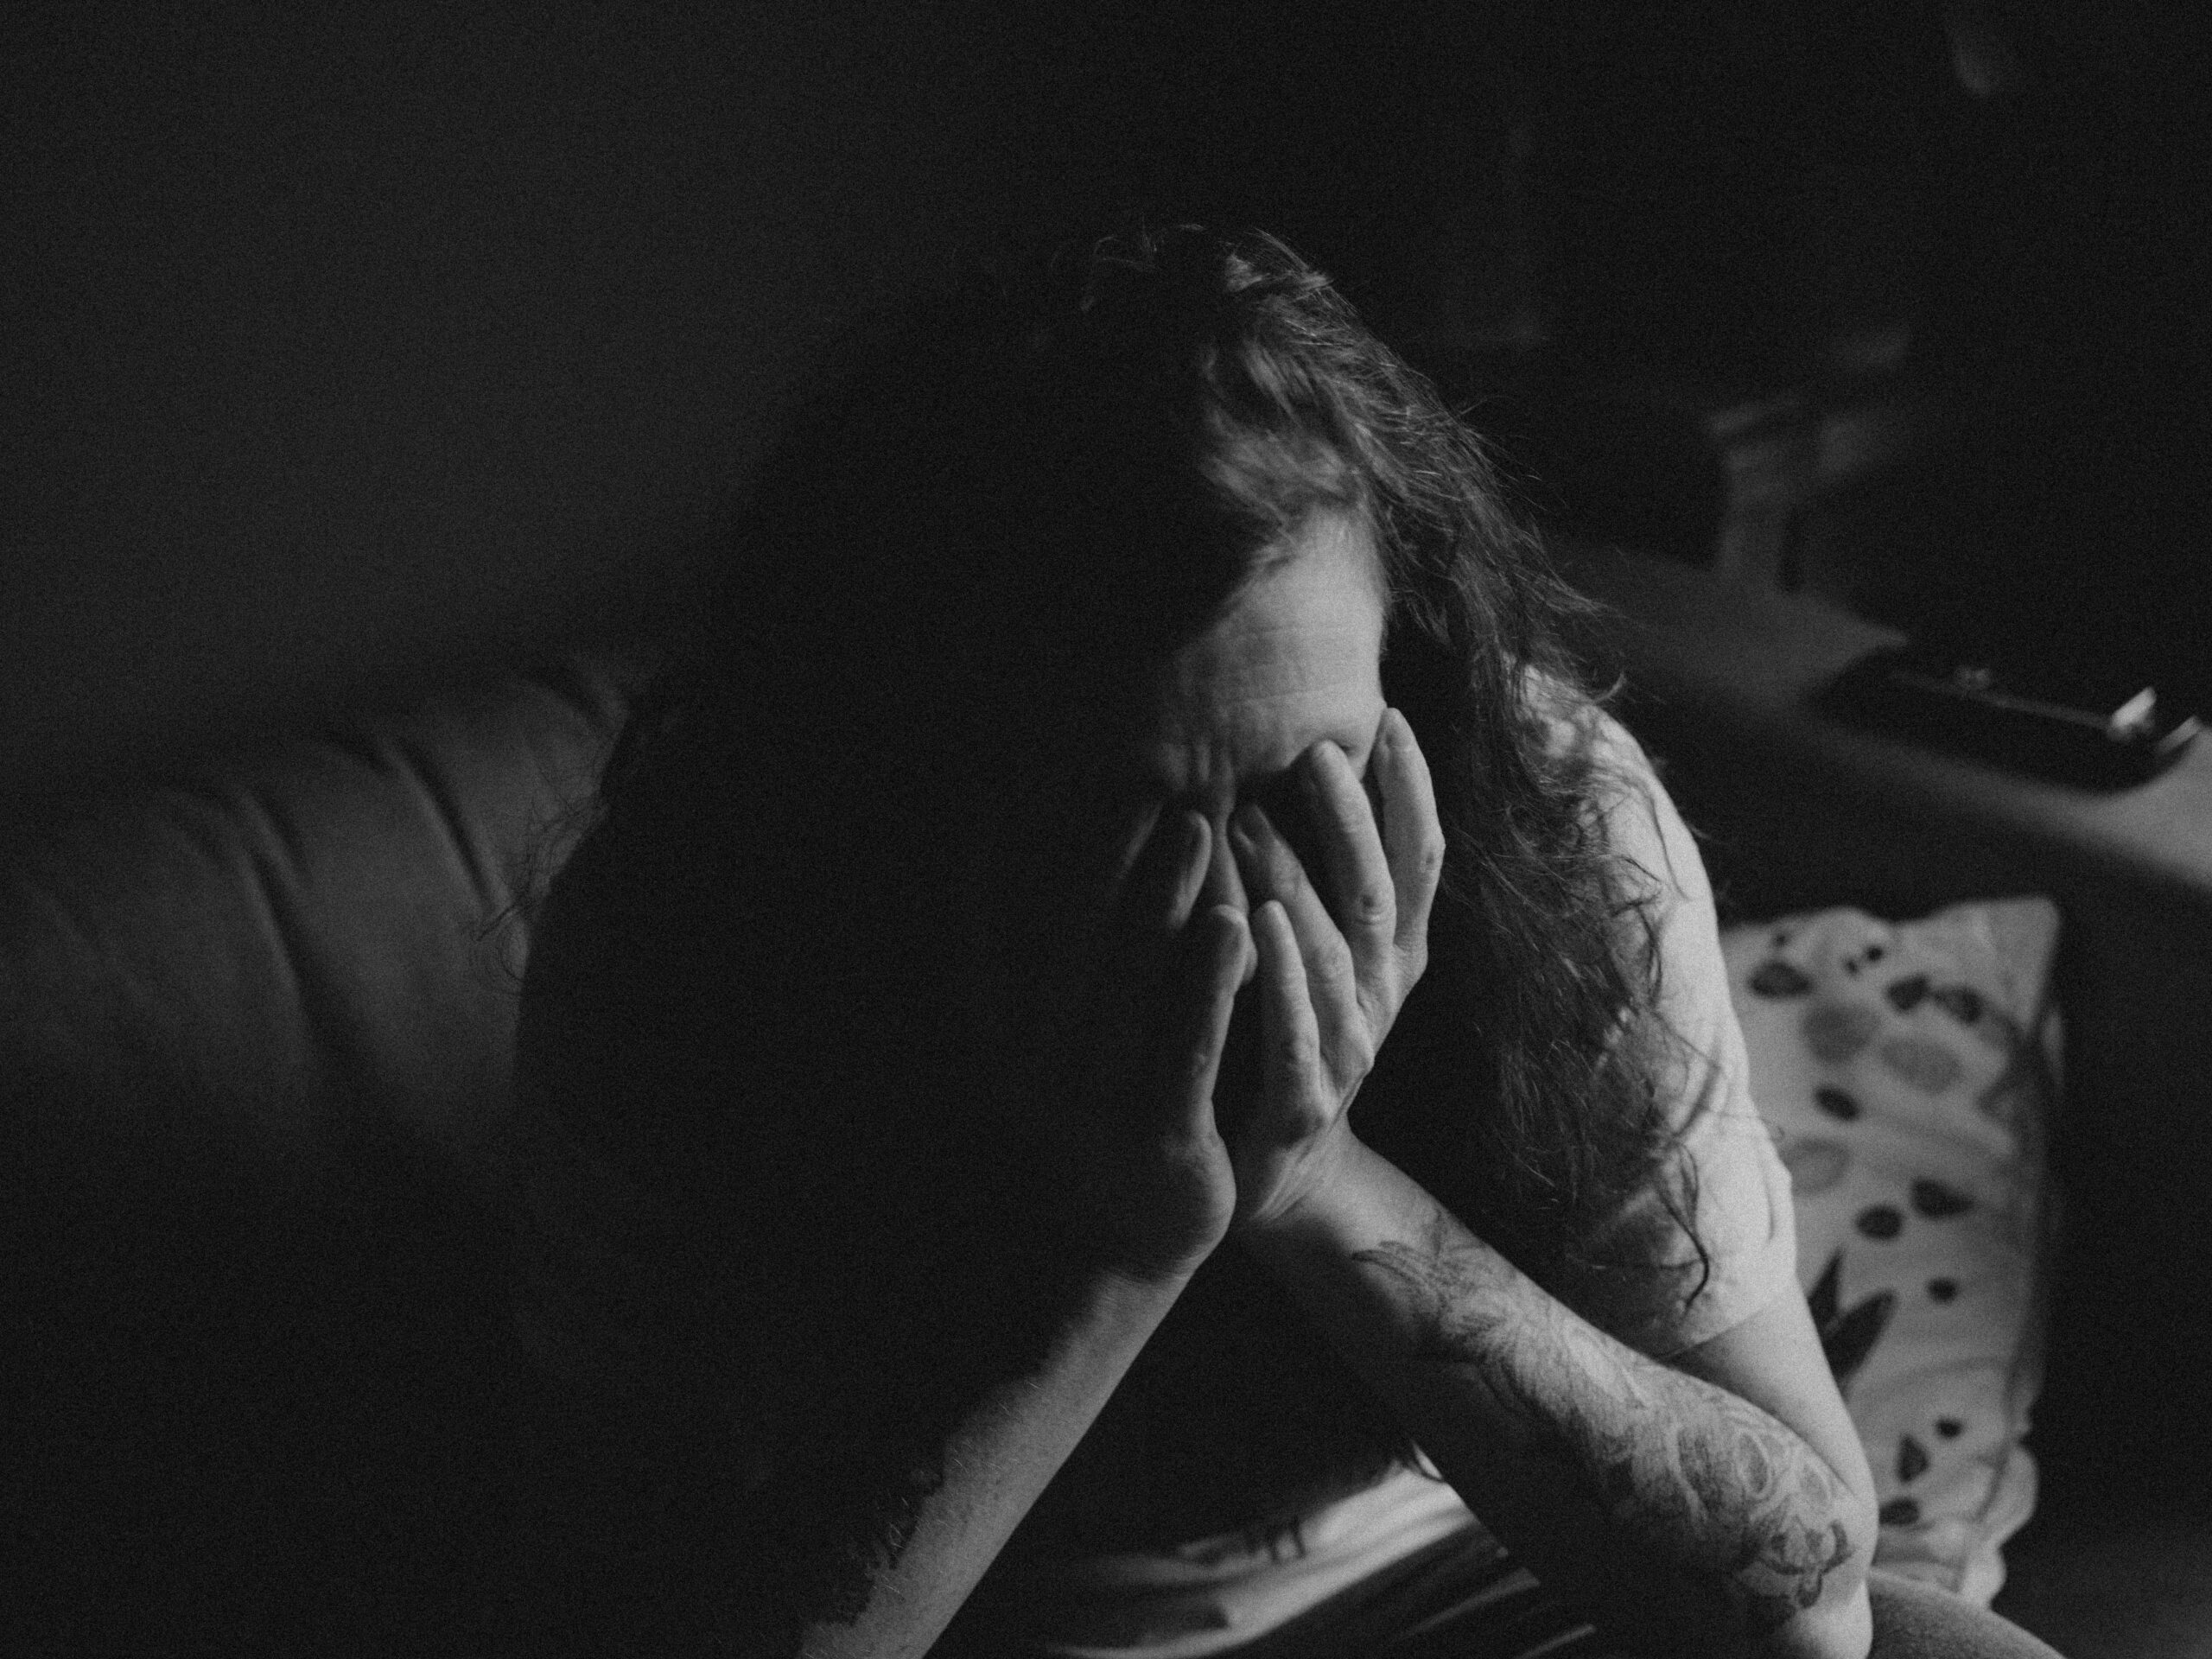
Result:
{"points": [[1128, 1051]]}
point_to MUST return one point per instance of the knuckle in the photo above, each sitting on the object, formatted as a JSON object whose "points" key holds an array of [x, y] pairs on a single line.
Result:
{"points": [[1372, 907], [1428, 855]]}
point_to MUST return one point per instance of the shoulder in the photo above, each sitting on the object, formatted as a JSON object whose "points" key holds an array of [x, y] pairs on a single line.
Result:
{"points": [[1660, 873], [1642, 829], [1671, 1294]]}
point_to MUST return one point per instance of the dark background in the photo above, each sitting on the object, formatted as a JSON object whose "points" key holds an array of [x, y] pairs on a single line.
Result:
{"points": [[352, 350]]}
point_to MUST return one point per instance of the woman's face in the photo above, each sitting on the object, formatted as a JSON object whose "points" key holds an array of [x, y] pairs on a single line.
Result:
{"points": [[1296, 660]]}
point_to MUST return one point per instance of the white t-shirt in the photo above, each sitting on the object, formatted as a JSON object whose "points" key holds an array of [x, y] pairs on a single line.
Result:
{"points": [[1217, 1593]]}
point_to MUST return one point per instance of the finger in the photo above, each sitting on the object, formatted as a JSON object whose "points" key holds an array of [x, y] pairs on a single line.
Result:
{"points": [[1214, 947], [1156, 894], [1225, 884], [1133, 838], [1413, 836], [1361, 894], [1194, 855], [1275, 873], [1290, 1036]]}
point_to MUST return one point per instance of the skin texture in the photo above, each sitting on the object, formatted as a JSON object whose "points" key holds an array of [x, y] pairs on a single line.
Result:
{"points": [[1662, 1455]]}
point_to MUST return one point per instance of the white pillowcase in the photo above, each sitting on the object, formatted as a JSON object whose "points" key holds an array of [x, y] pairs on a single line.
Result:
{"points": [[1907, 1070]]}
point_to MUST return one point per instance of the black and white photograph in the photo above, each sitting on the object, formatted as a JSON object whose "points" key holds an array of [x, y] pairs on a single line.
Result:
{"points": [[1225, 830]]}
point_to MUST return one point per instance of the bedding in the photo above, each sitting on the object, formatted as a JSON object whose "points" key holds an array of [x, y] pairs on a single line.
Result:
{"points": [[1906, 1071]]}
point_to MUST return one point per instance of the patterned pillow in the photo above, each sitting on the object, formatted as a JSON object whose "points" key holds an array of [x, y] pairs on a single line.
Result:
{"points": [[1906, 1071]]}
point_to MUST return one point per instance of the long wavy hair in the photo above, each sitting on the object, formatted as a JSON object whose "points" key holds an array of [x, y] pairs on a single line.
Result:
{"points": [[1074, 466]]}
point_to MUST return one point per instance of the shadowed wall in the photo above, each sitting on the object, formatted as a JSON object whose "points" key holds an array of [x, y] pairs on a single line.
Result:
{"points": [[350, 344], [351, 350]]}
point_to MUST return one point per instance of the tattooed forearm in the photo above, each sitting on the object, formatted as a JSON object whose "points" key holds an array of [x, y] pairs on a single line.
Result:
{"points": [[1750, 1519], [1762, 1512]]}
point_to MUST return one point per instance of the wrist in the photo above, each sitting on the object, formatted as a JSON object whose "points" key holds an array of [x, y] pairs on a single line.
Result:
{"points": [[1118, 1299], [1333, 1212], [1097, 1250], [1372, 1208]]}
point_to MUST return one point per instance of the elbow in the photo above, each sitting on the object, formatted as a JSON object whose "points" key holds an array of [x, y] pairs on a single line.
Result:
{"points": [[1839, 1622], [1839, 1626]]}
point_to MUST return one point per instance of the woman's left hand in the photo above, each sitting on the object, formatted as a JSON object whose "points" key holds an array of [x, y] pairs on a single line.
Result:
{"points": [[1336, 961]]}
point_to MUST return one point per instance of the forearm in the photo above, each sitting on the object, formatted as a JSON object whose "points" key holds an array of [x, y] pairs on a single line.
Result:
{"points": [[1686, 1516], [998, 1461]]}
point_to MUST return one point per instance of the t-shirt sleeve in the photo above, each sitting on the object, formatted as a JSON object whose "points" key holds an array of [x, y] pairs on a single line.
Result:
{"points": [[1655, 1292]]}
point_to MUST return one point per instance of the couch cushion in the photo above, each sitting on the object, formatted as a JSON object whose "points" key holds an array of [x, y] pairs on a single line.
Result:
{"points": [[255, 1024], [279, 962]]}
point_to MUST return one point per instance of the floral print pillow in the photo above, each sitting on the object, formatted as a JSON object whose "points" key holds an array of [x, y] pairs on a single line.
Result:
{"points": [[1906, 1072]]}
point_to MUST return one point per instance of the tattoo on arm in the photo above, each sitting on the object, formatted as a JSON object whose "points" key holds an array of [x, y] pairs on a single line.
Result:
{"points": [[1750, 1513]]}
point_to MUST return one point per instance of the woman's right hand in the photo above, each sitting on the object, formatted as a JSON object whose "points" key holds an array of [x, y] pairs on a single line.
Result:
{"points": [[1127, 1119]]}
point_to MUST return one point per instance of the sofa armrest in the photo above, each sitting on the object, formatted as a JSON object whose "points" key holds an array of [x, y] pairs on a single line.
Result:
{"points": [[1723, 672]]}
